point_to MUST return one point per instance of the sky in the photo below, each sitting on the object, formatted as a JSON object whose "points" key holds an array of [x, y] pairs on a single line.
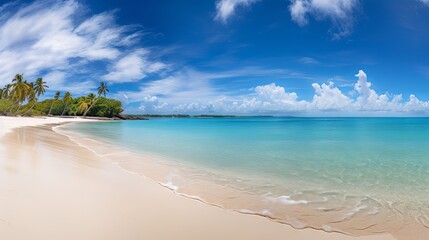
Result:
{"points": [[245, 57]]}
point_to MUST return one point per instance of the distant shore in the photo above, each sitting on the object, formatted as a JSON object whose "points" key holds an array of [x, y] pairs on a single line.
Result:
{"points": [[52, 188]]}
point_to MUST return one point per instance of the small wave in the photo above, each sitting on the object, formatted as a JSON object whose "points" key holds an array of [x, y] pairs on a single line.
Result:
{"points": [[285, 200], [356, 210], [169, 184], [263, 212]]}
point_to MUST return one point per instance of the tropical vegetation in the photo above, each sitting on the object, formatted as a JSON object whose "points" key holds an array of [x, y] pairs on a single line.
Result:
{"points": [[22, 98]]}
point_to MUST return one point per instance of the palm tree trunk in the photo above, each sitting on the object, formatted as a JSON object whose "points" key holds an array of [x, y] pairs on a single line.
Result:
{"points": [[87, 110], [32, 106], [50, 109], [7, 109], [62, 114], [19, 107]]}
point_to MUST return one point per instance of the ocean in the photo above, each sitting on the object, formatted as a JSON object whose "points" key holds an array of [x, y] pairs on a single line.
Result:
{"points": [[353, 175]]}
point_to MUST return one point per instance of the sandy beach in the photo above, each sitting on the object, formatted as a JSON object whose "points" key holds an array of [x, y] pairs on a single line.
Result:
{"points": [[52, 188]]}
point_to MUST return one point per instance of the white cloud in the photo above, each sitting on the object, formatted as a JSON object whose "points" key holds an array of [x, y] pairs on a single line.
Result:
{"points": [[152, 104], [339, 12], [133, 67], [268, 98], [226, 8], [299, 11], [329, 97], [193, 92], [53, 37], [416, 105], [274, 93], [180, 88], [424, 2], [363, 87], [59, 80], [308, 60], [369, 100], [264, 99]]}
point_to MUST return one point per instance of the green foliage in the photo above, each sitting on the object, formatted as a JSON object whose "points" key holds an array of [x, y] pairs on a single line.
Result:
{"points": [[45, 105], [21, 98], [5, 105], [73, 107], [106, 107]]}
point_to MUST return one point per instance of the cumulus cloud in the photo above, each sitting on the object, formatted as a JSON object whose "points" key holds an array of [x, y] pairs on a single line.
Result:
{"points": [[152, 104], [55, 39], [199, 96], [226, 8], [416, 105], [263, 99], [339, 12], [369, 100], [329, 97], [275, 93]]}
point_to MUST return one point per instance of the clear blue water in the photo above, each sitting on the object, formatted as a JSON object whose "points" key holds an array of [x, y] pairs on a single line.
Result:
{"points": [[383, 159]]}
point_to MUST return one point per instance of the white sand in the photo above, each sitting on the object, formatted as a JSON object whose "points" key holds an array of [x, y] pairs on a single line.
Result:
{"points": [[50, 188], [8, 123]]}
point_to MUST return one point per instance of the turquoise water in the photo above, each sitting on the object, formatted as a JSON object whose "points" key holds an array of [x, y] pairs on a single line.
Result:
{"points": [[362, 166]]}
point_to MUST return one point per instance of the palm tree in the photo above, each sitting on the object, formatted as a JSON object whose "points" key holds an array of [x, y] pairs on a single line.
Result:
{"points": [[6, 95], [6, 91], [82, 105], [56, 97], [31, 98], [38, 89], [102, 90], [85, 103], [66, 99], [20, 89]]}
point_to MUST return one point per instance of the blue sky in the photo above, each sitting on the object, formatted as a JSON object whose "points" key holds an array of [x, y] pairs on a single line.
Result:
{"points": [[281, 57]]}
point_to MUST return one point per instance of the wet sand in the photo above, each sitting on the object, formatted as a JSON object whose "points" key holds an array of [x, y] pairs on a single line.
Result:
{"points": [[52, 188]]}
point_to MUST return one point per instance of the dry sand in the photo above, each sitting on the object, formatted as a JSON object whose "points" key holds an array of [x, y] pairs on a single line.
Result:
{"points": [[51, 188], [7, 124]]}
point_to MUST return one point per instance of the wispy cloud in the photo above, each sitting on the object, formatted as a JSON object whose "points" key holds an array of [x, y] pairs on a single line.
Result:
{"points": [[339, 12], [55, 39], [58, 81], [308, 60], [133, 67], [225, 9], [424, 2], [182, 86]]}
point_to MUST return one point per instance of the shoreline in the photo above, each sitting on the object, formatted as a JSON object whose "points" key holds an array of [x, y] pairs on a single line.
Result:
{"points": [[215, 222], [227, 190]]}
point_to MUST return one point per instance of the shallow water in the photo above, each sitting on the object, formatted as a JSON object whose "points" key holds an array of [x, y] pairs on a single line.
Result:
{"points": [[354, 175]]}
